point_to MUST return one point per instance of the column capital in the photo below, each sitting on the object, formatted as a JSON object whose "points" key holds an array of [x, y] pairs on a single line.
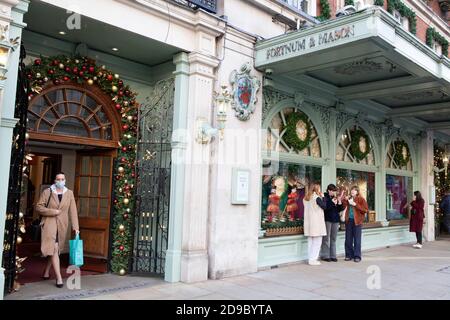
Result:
{"points": [[203, 64]]}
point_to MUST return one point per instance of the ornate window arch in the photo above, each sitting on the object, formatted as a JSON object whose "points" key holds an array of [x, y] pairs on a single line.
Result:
{"points": [[279, 132], [398, 155], [74, 111], [361, 151]]}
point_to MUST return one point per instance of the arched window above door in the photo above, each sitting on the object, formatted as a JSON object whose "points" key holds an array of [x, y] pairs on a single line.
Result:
{"points": [[72, 111], [355, 146]]}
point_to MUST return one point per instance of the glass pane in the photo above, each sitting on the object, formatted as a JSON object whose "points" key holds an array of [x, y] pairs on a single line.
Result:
{"points": [[283, 188], [104, 212], [93, 207], [83, 207], [72, 127], [399, 192], [94, 186], [85, 165], [106, 166], [73, 95], [364, 180], [105, 189], [96, 165], [84, 186], [90, 103]]}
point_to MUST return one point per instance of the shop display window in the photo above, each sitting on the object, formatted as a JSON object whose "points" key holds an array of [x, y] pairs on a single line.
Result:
{"points": [[398, 194]]}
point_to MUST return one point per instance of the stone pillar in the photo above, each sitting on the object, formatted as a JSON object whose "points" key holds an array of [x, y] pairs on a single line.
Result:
{"points": [[177, 179], [194, 255], [427, 181], [380, 182], [333, 141], [11, 15]]}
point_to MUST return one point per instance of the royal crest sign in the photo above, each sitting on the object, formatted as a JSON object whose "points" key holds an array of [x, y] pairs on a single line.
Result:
{"points": [[245, 89]]}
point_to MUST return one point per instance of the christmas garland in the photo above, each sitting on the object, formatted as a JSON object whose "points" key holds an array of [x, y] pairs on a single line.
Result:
{"points": [[349, 2], [325, 12], [57, 70], [431, 35], [356, 152], [398, 153], [379, 3], [404, 12], [290, 137]]}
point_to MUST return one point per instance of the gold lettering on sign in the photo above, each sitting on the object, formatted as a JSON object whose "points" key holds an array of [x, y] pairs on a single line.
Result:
{"points": [[315, 40]]}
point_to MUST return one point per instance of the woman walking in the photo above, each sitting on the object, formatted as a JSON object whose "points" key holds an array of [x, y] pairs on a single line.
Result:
{"points": [[417, 216], [314, 222], [55, 205], [356, 209]]}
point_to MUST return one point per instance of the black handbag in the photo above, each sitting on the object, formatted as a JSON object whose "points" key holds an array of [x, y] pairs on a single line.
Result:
{"points": [[36, 224]]}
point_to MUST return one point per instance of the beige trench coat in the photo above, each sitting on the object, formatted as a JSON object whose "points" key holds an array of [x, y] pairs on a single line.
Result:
{"points": [[314, 219], [54, 223]]}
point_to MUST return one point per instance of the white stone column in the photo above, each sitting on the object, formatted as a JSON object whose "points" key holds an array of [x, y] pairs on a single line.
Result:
{"points": [[11, 15], [194, 256], [427, 181], [380, 182]]}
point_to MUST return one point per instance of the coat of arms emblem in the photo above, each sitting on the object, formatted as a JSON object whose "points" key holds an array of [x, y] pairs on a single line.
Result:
{"points": [[245, 88]]}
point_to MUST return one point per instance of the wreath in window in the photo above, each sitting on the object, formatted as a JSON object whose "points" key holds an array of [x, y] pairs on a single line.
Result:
{"points": [[360, 146], [298, 131], [401, 153]]}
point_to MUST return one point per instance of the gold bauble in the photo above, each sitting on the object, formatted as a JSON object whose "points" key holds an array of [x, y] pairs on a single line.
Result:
{"points": [[120, 190], [77, 61], [121, 228], [95, 78], [90, 82], [128, 210], [126, 201], [121, 169], [45, 79], [61, 66], [20, 215], [125, 103], [122, 272], [116, 76], [38, 75], [130, 118], [114, 89], [27, 136], [19, 240], [103, 67]]}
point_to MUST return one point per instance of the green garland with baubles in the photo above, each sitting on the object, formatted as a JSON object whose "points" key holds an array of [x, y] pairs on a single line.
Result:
{"points": [[431, 35], [399, 159], [325, 11], [355, 150], [404, 12], [290, 136], [47, 71]]}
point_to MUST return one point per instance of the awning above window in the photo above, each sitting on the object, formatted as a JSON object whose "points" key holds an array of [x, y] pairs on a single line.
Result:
{"points": [[366, 56]]}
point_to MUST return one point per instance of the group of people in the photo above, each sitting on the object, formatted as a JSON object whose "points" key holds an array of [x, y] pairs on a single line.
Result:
{"points": [[324, 211]]}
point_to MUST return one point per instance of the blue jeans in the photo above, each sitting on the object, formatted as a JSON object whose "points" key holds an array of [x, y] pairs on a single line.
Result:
{"points": [[353, 240]]}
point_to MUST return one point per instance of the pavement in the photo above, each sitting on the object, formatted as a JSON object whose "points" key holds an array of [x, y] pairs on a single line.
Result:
{"points": [[398, 272]]}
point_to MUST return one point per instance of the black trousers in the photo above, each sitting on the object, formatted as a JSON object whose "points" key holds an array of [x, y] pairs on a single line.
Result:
{"points": [[419, 237]]}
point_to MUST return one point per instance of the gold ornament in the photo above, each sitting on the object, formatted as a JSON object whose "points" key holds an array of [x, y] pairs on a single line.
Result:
{"points": [[103, 67], [19, 240], [121, 169], [45, 79], [122, 272], [114, 89], [95, 78], [125, 103], [126, 201], [38, 75], [120, 189], [128, 210], [130, 118], [116, 76], [77, 61], [90, 82], [20, 215], [121, 228], [61, 66], [27, 136]]}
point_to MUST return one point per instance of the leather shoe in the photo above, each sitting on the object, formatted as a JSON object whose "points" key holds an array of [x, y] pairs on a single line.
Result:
{"points": [[59, 285], [357, 259], [334, 259], [348, 259], [326, 259]]}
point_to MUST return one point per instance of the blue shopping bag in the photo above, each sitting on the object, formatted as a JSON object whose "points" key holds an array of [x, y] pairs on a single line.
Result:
{"points": [[76, 252]]}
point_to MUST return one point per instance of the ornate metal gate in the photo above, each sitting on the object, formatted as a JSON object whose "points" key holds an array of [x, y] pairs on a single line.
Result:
{"points": [[15, 177], [153, 184]]}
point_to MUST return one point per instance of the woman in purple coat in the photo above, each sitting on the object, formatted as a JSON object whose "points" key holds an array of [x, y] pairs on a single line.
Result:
{"points": [[417, 216]]}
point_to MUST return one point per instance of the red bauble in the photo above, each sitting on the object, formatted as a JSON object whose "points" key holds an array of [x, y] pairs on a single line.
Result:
{"points": [[117, 177], [37, 62], [81, 73], [75, 70], [29, 76], [67, 69], [110, 77], [91, 69], [127, 93], [55, 62], [120, 83], [120, 93], [125, 216], [124, 149], [121, 248], [133, 175], [51, 71], [125, 127], [123, 160], [66, 78], [84, 68], [118, 106], [56, 81]]}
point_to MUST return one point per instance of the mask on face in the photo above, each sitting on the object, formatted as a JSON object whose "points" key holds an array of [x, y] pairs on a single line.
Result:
{"points": [[60, 184]]}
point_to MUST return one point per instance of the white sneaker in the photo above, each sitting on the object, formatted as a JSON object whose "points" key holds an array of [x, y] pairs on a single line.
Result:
{"points": [[419, 246], [314, 263], [415, 245]]}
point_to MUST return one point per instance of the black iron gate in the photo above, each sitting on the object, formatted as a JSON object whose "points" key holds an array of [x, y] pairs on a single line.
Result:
{"points": [[153, 184], [15, 177]]}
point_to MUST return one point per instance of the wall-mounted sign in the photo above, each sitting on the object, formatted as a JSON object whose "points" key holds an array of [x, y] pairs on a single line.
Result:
{"points": [[240, 186], [245, 88]]}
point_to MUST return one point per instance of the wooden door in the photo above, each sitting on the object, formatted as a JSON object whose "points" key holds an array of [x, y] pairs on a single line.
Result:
{"points": [[93, 195]]}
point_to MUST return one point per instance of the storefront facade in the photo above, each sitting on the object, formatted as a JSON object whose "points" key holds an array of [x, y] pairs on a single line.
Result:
{"points": [[327, 103]]}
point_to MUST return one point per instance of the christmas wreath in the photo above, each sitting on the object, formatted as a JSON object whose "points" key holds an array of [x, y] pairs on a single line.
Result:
{"points": [[61, 69], [355, 150], [400, 159], [291, 137]]}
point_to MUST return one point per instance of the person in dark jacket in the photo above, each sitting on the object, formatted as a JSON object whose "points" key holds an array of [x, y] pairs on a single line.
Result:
{"points": [[445, 209], [333, 205], [417, 216]]}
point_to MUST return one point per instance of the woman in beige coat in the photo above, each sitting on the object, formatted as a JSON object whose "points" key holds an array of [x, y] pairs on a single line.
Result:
{"points": [[314, 222], [55, 205]]}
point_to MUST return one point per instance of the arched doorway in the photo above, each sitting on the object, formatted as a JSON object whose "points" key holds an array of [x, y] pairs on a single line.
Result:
{"points": [[79, 120]]}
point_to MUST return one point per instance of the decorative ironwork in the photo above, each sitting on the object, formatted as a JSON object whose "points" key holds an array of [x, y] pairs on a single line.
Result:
{"points": [[357, 67], [271, 98], [15, 176], [153, 186]]}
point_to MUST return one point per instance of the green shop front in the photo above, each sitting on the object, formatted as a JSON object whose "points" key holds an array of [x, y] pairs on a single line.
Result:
{"points": [[348, 102]]}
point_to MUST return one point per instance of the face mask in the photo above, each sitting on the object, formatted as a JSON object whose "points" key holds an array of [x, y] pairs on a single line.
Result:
{"points": [[60, 184]]}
